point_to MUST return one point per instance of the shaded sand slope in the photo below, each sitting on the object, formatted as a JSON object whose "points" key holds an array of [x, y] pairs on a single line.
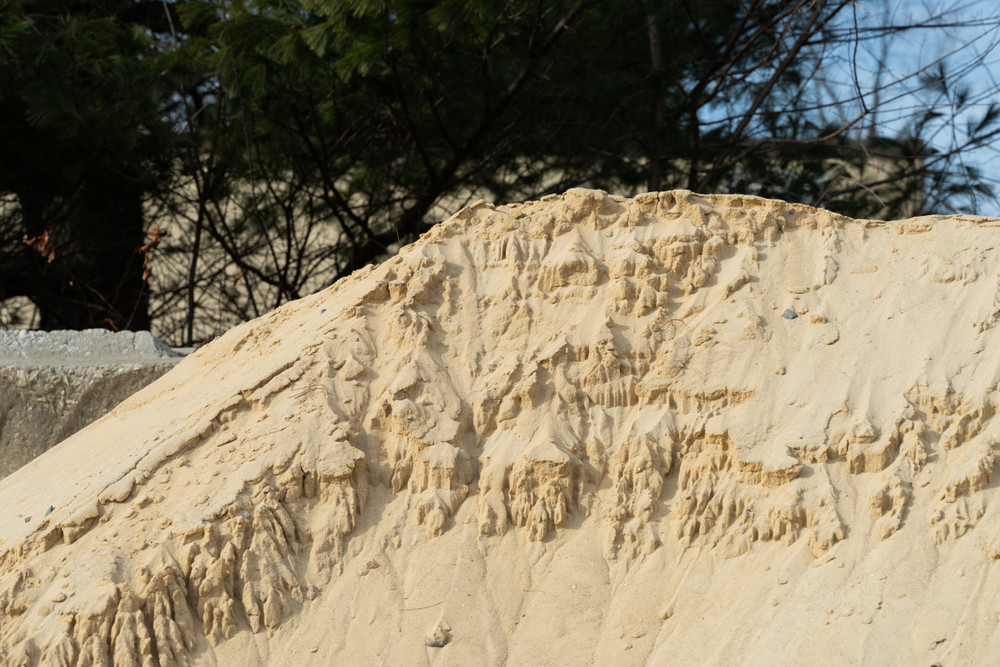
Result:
{"points": [[674, 429]]}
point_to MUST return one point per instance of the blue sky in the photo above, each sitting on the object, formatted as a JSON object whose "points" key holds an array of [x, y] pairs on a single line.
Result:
{"points": [[896, 76]]}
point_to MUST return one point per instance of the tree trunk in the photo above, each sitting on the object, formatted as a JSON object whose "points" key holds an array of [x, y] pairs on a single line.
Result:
{"points": [[656, 71], [95, 278]]}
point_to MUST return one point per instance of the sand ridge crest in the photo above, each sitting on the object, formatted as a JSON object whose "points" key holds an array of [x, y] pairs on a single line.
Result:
{"points": [[634, 379]]}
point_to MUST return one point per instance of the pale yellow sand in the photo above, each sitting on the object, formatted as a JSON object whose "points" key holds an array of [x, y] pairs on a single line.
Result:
{"points": [[585, 430]]}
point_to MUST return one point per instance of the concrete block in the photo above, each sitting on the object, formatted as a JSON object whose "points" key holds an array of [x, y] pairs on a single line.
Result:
{"points": [[53, 383]]}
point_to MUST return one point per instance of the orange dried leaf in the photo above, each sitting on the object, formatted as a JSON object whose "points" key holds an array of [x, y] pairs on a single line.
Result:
{"points": [[43, 244]]}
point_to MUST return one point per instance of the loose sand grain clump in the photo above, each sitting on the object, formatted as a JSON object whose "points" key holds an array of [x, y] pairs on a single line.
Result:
{"points": [[586, 429]]}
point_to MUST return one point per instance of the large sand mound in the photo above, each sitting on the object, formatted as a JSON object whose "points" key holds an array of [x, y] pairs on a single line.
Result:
{"points": [[674, 429]]}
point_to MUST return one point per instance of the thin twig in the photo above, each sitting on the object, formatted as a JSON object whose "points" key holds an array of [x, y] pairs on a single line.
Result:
{"points": [[312, 387], [422, 608]]}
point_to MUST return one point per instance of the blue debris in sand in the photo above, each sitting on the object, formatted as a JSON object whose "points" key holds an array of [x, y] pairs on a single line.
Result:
{"points": [[49, 510], [27, 519], [789, 314]]}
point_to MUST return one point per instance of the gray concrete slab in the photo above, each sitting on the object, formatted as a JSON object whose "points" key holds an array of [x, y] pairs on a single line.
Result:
{"points": [[53, 383]]}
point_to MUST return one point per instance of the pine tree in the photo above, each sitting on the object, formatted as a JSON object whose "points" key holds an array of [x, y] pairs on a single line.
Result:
{"points": [[83, 134]]}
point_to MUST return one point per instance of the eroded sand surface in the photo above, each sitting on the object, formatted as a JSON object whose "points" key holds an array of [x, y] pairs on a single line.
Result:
{"points": [[673, 429]]}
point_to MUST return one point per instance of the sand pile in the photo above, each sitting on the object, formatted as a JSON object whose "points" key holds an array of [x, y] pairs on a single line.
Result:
{"points": [[674, 429]]}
